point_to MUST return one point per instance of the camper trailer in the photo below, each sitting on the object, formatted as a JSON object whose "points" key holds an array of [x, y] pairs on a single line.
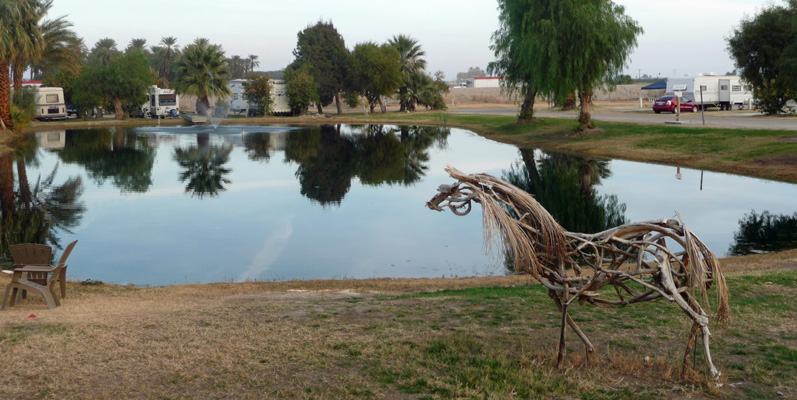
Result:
{"points": [[723, 92], [239, 105], [50, 103], [161, 103]]}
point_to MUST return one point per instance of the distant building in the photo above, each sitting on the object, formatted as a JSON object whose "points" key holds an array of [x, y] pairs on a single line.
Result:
{"points": [[484, 82]]}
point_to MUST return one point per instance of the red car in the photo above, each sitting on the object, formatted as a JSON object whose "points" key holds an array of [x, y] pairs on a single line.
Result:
{"points": [[667, 103]]}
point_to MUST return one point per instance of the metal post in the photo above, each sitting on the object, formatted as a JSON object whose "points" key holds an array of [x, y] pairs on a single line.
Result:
{"points": [[677, 107], [702, 108]]}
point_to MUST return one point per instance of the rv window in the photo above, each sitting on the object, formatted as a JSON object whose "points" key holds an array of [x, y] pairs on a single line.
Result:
{"points": [[748, 88], [152, 100], [167, 99], [723, 87], [235, 96], [703, 88], [737, 88], [51, 98]]}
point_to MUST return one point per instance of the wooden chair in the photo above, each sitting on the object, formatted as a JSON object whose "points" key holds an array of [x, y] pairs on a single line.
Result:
{"points": [[40, 276]]}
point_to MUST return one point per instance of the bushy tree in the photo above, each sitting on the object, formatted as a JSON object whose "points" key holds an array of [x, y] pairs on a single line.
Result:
{"points": [[765, 52], [322, 50], [258, 93], [123, 82], [302, 90], [374, 71]]}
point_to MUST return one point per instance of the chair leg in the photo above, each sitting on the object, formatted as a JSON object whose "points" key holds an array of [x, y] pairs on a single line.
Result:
{"points": [[48, 297], [62, 281], [5, 297]]}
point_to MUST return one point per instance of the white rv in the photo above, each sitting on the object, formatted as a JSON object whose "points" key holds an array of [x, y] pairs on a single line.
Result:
{"points": [[50, 103], [723, 92], [279, 97], [161, 103]]}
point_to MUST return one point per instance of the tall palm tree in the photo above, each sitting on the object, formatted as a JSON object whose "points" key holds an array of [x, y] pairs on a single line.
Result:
{"points": [[237, 69], [19, 33], [412, 63], [104, 50], [202, 72], [137, 45], [252, 63], [61, 48], [169, 42]]}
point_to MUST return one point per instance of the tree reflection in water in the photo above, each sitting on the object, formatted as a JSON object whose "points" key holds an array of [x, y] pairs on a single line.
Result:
{"points": [[203, 167], [764, 233], [116, 154], [329, 159], [258, 146], [35, 213], [563, 184]]}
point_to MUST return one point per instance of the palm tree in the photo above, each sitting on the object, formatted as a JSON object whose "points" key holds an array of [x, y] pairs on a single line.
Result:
{"points": [[61, 48], [203, 72], [412, 63], [104, 50], [137, 45], [235, 63], [19, 33], [252, 63], [169, 42]]}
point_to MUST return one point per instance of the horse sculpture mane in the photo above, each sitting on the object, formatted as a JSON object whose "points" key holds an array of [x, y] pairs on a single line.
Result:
{"points": [[575, 266]]}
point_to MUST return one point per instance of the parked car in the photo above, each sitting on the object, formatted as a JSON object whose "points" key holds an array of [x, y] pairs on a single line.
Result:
{"points": [[667, 103], [71, 110]]}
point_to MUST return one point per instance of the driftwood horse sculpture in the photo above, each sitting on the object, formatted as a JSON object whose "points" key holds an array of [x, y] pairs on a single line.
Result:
{"points": [[634, 258]]}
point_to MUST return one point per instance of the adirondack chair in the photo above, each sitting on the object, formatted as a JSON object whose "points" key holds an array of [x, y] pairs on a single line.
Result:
{"points": [[40, 277]]}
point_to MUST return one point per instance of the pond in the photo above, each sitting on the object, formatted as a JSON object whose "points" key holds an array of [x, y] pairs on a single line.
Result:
{"points": [[175, 205]]}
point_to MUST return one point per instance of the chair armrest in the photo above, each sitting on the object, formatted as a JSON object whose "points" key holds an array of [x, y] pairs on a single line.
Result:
{"points": [[35, 268]]}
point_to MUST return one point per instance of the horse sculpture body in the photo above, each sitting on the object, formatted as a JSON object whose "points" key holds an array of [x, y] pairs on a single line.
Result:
{"points": [[575, 266]]}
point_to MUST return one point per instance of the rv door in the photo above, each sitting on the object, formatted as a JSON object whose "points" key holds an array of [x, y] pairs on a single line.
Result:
{"points": [[725, 90]]}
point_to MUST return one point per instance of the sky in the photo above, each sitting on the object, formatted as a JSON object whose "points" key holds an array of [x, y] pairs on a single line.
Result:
{"points": [[681, 37]]}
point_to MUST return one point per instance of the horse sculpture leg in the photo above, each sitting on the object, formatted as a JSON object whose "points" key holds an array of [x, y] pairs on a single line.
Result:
{"points": [[589, 348], [690, 307]]}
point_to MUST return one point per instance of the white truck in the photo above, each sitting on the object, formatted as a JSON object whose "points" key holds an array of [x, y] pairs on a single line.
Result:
{"points": [[723, 92], [50, 103], [161, 103], [279, 97]]}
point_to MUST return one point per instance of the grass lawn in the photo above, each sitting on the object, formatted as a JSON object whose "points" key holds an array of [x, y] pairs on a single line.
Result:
{"points": [[492, 338]]}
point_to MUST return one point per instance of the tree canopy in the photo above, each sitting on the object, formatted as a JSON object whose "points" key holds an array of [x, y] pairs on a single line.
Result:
{"points": [[374, 71], [123, 83], [321, 48], [202, 72], [764, 50]]}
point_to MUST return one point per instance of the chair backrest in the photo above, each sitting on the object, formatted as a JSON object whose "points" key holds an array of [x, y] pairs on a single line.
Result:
{"points": [[31, 253], [65, 255]]}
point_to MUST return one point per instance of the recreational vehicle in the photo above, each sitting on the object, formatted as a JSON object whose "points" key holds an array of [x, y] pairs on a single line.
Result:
{"points": [[50, 103], [161, 103], [279, 98], [717, 91]]}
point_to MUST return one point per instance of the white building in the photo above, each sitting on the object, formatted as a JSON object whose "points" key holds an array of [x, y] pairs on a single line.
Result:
{"points": [[484, 82]]}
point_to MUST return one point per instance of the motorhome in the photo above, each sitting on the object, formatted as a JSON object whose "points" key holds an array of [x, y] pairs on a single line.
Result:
{"points": [[50, 103], [161, 103], [239, 104], [723, 92]]}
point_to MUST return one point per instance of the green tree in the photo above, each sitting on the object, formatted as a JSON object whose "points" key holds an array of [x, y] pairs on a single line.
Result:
{"points": [[412, 64], [103, 51], [137, 44], [252, 63], [374, 71], [257, 91], [301, 89], [764, 50], [236, 66], [321, 48], [202, 72], [19, 34], [169, 43], [530, 45], [471, 73], [123, 82]]}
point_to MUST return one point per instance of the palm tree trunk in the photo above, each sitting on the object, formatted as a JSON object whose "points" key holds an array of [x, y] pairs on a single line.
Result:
{"points": [[168, 66], [402, 99], [19, 71], [6, 183], [337, 103], [585, 98], [5, 96], [24, 186]]}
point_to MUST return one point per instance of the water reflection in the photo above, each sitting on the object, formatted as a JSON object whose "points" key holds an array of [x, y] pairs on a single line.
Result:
{"points": [[115, 154], [564, 185], [202, 166], [38, 211], [764, 233]]}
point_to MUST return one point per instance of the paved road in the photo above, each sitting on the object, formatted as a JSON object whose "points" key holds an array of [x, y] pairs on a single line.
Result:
{"points": [[713, 118]]}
